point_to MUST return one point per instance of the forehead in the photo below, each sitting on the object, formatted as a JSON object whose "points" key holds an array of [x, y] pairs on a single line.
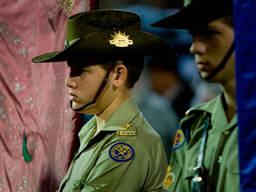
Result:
{"points": [[216, 25], [78, 67], [79, 63]]}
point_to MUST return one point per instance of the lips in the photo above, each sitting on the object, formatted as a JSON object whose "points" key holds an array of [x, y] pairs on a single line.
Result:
{"points": [[72, 97], [202, 65]]}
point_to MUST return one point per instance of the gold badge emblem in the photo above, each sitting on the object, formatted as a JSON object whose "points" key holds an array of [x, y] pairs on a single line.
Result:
{"points": [[120, 40], [124, 132], [126, 126]]}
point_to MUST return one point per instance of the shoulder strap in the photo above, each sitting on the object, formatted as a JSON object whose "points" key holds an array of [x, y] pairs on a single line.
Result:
{"points": [[198, 183]]}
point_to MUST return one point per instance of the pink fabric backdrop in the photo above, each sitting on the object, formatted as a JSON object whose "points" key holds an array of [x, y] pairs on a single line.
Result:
{"points": [[33, 98]]}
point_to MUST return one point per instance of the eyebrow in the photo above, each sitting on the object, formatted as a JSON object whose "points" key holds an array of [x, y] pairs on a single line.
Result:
{"points": [[202, 29], [212, 27]]}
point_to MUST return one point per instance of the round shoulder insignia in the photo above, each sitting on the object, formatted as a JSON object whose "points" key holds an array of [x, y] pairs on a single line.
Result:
{"points": [[121, 152], [169, 178], [179, 139]]}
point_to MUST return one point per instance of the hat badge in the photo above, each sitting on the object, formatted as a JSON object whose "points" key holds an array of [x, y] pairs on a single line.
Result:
{"points": [[120, 40]]}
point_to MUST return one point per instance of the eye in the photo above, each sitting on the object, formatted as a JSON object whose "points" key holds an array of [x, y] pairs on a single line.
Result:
{"points": [[210, 32], [76, 72], [203, 32]]}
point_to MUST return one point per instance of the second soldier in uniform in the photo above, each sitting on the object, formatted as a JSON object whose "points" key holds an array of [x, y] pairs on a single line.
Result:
{"points": [[205, 156]]}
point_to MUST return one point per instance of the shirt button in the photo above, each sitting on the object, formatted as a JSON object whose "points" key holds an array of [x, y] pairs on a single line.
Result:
{"points": [[226, 132], [220, 159]]}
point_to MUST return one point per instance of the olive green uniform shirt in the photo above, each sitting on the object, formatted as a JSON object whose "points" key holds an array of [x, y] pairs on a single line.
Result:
{"points": [[127, 155], [221, 152]]}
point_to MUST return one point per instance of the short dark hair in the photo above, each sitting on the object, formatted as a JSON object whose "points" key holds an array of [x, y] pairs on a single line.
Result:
{"points": [[134, 66]]}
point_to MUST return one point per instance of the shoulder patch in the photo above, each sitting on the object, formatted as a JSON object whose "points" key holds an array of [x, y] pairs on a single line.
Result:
{"points": [[121, 152], [169, 178], [179, 139]]}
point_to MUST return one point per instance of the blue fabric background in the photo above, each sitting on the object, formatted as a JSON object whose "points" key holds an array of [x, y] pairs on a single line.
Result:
{"points": [[245, 34]]}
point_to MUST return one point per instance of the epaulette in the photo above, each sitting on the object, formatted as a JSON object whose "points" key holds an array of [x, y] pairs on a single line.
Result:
{"points": [[191, 117], [190, 114]]}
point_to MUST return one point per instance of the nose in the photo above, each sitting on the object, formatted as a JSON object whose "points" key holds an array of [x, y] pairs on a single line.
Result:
{"points": [[71, 83], [197, 47]]}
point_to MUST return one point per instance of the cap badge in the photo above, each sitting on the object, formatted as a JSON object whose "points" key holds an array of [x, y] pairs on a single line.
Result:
{"points": [[120, 40]]}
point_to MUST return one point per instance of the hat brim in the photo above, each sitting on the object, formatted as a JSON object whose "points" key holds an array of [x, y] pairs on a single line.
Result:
{"points": [[195, 14], [97, 45], [177, 20]]}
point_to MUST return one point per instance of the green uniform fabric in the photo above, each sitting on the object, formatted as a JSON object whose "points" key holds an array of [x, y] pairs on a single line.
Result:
{"points": [[92, 168], [221, 152]]}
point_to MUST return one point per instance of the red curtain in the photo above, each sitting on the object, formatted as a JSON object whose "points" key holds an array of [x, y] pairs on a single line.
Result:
{"points": [[34, 102]]}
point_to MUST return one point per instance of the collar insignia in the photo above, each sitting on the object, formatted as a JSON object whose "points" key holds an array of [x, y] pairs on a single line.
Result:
{"points": [[122, 131], [120, 40]]}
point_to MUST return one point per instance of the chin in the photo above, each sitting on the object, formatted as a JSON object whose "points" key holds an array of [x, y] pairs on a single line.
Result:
{"points": [[204, 76], [76, 106]]}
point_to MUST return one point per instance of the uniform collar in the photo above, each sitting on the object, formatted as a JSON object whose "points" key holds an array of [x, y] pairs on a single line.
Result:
{"points": [[83, 133], [216, 109], [122, 116]]}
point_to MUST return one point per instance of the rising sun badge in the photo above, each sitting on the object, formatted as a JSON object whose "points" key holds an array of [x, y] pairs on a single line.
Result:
{"points": [[120, 40]]}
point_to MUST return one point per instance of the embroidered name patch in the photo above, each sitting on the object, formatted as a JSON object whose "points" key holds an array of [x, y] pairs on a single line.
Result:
{"points": [[179, 139], [121, 152], [124, 132]]}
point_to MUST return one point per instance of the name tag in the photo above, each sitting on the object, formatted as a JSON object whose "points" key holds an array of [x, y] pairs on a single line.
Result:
{"points": [[129, 133]]}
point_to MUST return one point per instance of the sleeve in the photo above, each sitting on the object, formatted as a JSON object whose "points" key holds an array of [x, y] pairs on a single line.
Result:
{"points": [[182, 158], [157, 169], [175, 168]]}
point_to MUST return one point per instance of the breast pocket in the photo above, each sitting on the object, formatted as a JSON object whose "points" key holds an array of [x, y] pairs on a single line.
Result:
{"points": [[230, 154], [231, 162]]}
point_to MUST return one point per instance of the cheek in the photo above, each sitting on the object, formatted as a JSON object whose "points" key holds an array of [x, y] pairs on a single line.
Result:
{"points": [[231, 65], [217, 50], [90, 85]]}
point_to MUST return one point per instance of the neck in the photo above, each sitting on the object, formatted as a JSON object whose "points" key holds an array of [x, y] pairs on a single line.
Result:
{"points": [[229, 92], [115, 104]]}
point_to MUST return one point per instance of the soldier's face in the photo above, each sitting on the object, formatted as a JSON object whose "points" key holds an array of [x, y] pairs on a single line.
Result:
{"points": [[210, 45], [83, 84]]}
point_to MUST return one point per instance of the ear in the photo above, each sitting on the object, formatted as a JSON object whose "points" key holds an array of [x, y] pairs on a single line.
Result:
{"points": [[120, 75]]}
